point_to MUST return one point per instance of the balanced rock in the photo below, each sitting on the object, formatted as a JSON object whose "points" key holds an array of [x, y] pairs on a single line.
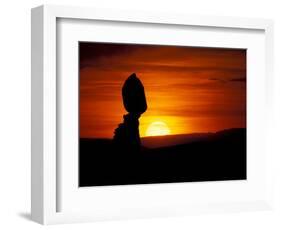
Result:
{"points": [[126, 135], [133, 95]]}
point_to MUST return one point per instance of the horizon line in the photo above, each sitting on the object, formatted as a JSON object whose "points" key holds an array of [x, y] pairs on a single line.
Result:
{"points": [[179, 134]]}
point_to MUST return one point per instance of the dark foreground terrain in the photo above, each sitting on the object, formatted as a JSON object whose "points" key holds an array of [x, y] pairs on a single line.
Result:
{"points": [[204, 157]]}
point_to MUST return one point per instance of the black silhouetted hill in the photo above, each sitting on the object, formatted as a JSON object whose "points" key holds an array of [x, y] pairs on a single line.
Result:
{"points": [[165, 159], [171, 140]]}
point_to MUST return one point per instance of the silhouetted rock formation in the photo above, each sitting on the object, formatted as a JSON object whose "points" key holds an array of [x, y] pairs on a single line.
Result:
{"points": [[127, 136], [133, 95]]}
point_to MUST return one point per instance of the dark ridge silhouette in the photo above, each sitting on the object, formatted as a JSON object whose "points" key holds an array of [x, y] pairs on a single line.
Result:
{"points": [[205, 157], [172, 140]]}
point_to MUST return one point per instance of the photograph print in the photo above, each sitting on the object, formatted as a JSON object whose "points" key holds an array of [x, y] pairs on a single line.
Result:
{"points": [[161, 114]]}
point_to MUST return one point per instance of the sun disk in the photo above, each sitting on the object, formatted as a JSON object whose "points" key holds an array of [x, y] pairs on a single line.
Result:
{"points": [[157, 128]]}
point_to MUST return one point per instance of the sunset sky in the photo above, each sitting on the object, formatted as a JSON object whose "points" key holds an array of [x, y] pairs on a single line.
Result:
{"points": [[189, 89]]}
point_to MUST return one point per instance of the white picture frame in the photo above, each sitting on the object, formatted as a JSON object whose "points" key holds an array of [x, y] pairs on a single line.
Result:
{"points": [[46, 179]]}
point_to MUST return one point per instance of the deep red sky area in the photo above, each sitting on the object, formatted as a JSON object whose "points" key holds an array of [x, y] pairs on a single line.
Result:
{"points": [[190, 89]]}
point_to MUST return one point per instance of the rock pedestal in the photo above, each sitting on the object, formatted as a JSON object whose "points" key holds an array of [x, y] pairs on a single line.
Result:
{"points": [[126, 135]]}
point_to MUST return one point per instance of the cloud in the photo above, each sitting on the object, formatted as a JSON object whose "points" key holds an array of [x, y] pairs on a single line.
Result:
{"points": [[217, 79], [241, 79]]}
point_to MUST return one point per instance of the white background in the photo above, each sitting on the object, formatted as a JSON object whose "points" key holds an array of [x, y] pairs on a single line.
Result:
{"points": [[15, 114]]}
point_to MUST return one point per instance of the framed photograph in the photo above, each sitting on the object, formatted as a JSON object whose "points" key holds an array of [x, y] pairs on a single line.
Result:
{"points": [[140, 114]]}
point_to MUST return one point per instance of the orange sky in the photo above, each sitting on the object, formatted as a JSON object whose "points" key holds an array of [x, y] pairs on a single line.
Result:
{"points": [[190, 89]]}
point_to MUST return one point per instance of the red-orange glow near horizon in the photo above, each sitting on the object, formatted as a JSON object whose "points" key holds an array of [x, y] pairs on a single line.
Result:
{"points": [[188, 89]]}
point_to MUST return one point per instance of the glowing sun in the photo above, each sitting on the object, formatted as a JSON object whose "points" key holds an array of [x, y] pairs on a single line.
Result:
{"points": [[157, 128]]}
